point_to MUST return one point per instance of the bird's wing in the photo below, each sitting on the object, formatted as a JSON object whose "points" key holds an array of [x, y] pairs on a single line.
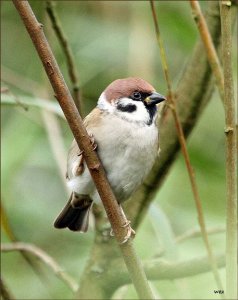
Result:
{"points": [[75, 162]]}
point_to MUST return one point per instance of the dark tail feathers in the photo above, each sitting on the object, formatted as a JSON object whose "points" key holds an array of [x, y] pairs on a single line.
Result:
{"points": [[75, 214]]}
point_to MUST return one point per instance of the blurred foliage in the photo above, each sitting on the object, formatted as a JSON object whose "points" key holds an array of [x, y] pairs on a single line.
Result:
{"points": [[110, 39]]}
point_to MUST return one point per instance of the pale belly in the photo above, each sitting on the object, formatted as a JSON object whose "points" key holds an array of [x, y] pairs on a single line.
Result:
{"points": [[127, 159], [128, 172]]}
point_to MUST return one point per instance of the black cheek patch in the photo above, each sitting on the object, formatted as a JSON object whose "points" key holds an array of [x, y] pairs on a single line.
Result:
{"points": [[127, 108]]}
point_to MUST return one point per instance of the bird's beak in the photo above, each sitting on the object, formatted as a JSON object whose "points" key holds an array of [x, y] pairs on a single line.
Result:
{"points": [[154, 98]]}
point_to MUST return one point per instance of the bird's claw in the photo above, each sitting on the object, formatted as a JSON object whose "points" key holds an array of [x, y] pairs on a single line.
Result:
{"points": [[93, 143], [92, 140], [129, 233], [81, 152]]}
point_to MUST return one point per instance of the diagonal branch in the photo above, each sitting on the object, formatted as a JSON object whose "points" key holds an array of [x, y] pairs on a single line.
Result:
{"points": [[73, 74], [8, 99], [6, 226], [209, 47], [4, 291], [183, 145], [196, 232], [62, 94], [50, 121], [44, 257]]}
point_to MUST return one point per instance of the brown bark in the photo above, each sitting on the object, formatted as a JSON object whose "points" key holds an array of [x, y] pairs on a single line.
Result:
{"points": [[231, 153]]}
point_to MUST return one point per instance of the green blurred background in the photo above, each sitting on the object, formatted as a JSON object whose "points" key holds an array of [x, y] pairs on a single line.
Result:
{"points": [[110, 39]]}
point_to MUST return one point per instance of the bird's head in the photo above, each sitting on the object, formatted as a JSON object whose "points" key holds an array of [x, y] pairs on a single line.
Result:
{"points": [[132, 99]]}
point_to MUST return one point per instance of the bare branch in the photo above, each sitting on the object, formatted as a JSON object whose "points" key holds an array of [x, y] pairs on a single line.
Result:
{"points": [[182, 141], [72, 70], [50, 121], [12, 237], [7, 91], [210, 49], [5, 224], [44, 257], [160, 269], [197, 233], [231, 153], [114, 213], [27, 101], [56, 142], [4, 291]]}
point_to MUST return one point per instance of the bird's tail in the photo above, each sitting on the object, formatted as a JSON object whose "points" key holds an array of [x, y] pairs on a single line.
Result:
{"points": [[75, 214]]}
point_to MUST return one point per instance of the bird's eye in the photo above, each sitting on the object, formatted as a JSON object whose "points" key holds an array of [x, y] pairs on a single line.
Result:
{"points": [[136, 96]]}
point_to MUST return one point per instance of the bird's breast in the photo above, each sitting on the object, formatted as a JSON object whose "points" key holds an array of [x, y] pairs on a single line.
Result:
{"points": [[127, 152]]}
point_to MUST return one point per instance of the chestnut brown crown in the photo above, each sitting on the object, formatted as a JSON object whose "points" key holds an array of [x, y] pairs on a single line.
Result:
{"points": [[125, 87]]}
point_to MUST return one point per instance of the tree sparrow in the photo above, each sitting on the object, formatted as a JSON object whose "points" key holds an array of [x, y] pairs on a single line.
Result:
{"points": [[123, 129]]}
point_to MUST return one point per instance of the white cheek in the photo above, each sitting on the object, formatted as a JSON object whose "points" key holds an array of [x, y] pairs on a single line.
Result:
{"points": [[139, 115]]}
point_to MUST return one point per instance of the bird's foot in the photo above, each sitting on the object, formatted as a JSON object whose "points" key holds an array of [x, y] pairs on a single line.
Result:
{"points": [[80, 152], [93, 143], [130, 232], [92, 140]]}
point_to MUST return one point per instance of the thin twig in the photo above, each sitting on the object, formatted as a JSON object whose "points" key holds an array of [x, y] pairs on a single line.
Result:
{"points": [[22, 82], [5, 224], [10, 100], [56, 142], [197, 233], [13, 238], [161, 269], [231, 153], [209, 47], [7, 91], [183, 145], [44, 257], [50, 121], [4, 291], [72, 70], [62, 94]]}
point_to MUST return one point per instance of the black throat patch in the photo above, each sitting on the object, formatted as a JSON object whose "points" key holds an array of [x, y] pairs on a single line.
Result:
{"points": [[152, 112]]}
